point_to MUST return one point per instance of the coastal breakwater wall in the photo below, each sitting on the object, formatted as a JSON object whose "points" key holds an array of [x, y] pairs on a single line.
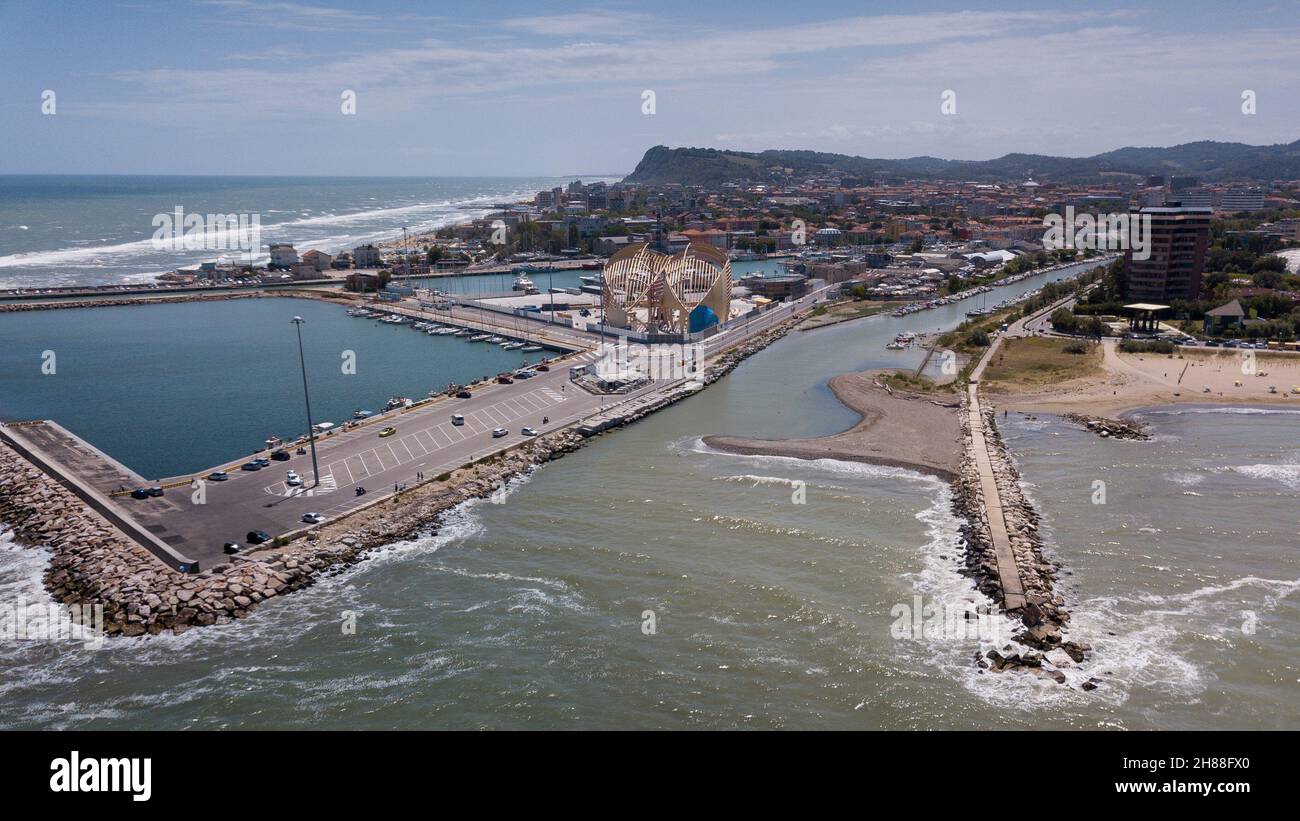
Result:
{"points": [[104, 302], [93, 563], [1040, 609]]}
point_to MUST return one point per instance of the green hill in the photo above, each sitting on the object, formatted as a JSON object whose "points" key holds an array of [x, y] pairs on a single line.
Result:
{"points": [[1210, 161]]}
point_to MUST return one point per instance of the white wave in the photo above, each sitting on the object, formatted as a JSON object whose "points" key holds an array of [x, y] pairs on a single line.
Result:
{"points": [[1288, 475], [835, 466], [22, 571], [1240, 411], [69, 256], [97, 254]]}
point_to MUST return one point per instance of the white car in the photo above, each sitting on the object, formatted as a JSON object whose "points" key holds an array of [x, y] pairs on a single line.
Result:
{"points": [[528, 431], [313, 518], [293, 479], [497, 433]]}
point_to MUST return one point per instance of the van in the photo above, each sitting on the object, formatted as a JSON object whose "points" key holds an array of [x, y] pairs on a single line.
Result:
{"points": [[457, 419]]}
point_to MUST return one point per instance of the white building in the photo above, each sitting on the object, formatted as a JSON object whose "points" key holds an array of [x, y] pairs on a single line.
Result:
{"points": [[1242, 199], [283, 255], [365, 256]]}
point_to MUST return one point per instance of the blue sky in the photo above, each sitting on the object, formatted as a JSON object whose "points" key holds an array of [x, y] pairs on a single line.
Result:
{"points": [[242, 87]]}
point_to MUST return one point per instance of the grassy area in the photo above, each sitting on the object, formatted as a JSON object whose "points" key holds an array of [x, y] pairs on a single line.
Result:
{"points": [[1034, 363], [964, 337], [916, 384], [844, 311]]}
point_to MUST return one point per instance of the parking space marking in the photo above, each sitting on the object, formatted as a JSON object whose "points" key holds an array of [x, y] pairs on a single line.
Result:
{"points": [[374, 458], [441, 431]]}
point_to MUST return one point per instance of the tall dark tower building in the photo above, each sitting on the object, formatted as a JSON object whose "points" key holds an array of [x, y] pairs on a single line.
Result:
{"points": [[1178, 241]]}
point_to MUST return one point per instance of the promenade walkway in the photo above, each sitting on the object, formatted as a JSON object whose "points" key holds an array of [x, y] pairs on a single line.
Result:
{"points": [[1013, 592]]}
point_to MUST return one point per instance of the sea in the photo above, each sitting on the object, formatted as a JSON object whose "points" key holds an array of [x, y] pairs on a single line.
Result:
{"points": [[99, 229], [646, 581]]}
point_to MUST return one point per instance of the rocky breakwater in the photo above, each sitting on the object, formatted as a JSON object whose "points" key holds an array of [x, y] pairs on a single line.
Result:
{"points": [[1110, 428], [92, 563], [1044, 644], [105, 302]]}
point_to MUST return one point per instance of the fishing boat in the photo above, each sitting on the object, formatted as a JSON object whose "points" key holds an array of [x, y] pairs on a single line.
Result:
{"points": [[361, 414], [397, 402]]}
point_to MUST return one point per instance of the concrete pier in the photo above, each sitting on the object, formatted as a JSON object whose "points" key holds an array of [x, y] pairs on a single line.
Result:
{"points": [[91, 475]]}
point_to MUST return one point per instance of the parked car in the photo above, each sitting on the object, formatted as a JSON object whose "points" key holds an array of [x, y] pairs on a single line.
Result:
{"points": [[457, 419], [497, 433], [388, 431], [463, 395], [140, 493], [231, 548], [257, 537], [528, 431], [218, 476], [250, 466], [505, 380], [280, 455], [266, 463], [313, 518], [155, 491], [525, 374], [542, 368]]}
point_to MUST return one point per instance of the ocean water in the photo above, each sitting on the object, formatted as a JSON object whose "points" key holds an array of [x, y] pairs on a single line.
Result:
{"points": [[645, 581], [98, 229]]}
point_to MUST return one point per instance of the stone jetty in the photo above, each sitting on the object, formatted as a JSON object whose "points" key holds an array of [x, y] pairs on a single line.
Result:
{"points": [[168, 299], [1040, 609]]}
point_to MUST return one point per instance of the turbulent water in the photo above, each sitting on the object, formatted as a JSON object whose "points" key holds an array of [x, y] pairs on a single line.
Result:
{"points": [[645, 581], [93, 230]]}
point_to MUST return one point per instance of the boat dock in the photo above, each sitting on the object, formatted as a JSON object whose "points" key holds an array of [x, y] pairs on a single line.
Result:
{"points": [[564, 339]]}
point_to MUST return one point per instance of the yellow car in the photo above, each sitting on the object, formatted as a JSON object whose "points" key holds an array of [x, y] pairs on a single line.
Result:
{"points": [[388, 431]]}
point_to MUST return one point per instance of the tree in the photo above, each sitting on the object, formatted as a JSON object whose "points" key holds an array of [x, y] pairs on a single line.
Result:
{"points": [[1064, 320]]}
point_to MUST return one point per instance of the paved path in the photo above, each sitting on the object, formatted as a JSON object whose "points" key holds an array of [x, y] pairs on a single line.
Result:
{"points": [[1013, 592]]}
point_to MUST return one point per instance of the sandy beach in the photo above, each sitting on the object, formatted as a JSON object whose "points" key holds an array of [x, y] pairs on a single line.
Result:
{"points": [[1132, 381], [899, 430]]}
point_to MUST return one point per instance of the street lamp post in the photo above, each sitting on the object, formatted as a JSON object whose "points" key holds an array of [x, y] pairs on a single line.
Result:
{"points": [[311, 431]]}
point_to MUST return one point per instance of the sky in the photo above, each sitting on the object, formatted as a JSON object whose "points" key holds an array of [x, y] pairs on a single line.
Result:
{"points": [[555, 88]]}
